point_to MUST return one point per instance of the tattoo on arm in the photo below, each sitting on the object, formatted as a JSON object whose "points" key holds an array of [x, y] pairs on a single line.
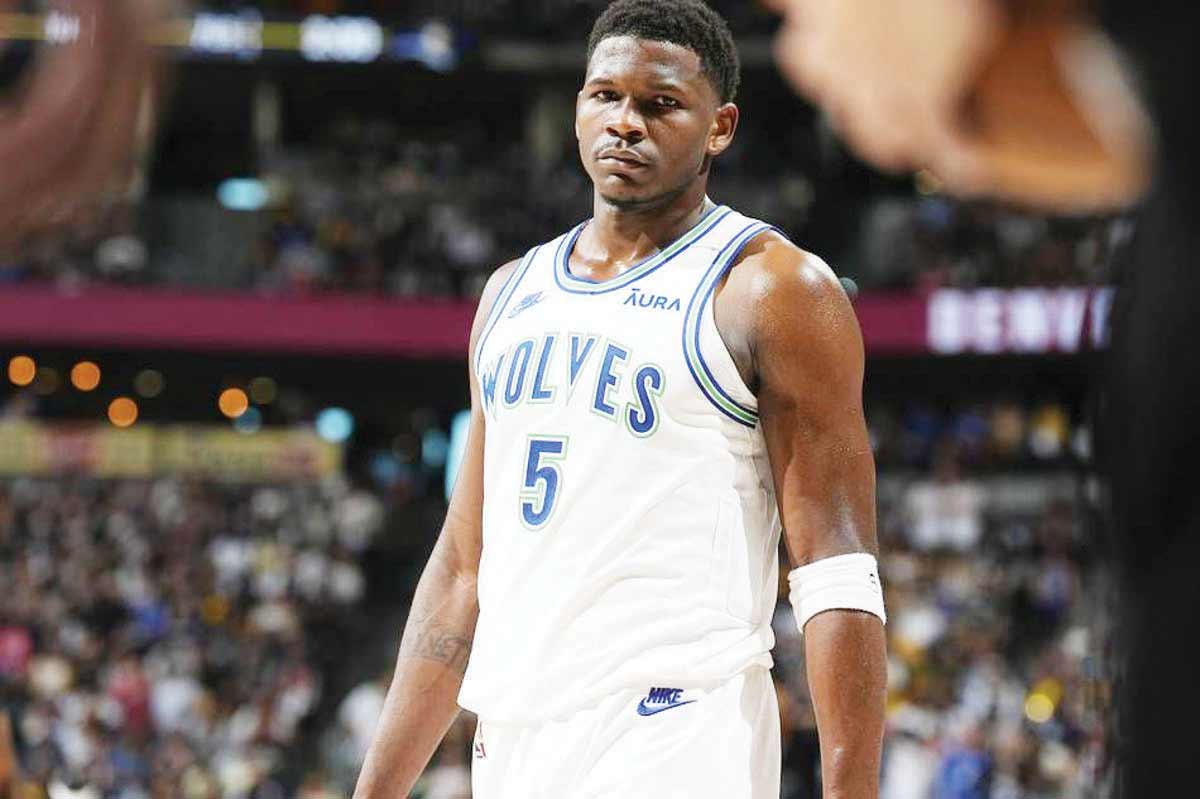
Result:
{"points": [[439, 628], [438, 643]]}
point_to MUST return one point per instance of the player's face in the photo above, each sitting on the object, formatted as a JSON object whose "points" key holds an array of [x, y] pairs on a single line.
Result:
{"points": [[648, 121]]}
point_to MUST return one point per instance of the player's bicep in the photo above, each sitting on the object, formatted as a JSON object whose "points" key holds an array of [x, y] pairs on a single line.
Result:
{"points": [[809, 362]]}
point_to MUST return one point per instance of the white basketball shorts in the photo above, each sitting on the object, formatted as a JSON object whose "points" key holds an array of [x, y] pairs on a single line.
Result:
{"points": [[660, 742]]}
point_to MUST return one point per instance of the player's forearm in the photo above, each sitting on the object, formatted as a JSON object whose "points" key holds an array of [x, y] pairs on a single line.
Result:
{"points": [[422, 703], [846, 652]]}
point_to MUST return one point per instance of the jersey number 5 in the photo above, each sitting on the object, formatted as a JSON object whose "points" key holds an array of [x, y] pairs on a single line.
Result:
{"points": [[543, 478]]}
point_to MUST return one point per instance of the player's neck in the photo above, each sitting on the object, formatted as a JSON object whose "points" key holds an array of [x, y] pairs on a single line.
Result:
{"points": [[618, 236]]}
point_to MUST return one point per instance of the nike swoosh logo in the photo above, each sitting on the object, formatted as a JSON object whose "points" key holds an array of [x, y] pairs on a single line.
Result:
{"points": [[650, 711]]}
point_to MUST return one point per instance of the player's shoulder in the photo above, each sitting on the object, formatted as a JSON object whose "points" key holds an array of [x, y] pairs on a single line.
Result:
{"points": [[773, 269], [793, 301], [495, 284], [500, 277], [491, 292], [496, 281]]}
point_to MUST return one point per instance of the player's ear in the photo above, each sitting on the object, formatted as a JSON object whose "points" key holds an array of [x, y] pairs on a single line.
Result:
{"points": [[724, 125]]}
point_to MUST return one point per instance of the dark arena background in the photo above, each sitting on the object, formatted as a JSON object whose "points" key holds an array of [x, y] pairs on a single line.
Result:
{"points": [[235, 394]]}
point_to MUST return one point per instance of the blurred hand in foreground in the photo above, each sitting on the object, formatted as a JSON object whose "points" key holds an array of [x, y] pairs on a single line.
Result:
{"points": [[68, 132], [8, 760], [1023, 101]]}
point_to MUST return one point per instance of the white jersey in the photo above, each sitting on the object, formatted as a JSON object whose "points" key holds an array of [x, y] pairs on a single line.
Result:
{"points": [[630, 529]]}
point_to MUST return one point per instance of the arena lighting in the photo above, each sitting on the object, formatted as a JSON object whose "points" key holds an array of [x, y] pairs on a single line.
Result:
{"points": [[384, 468], [239, 35], [47, 381], [122, 412], [149, 383], [849, 286], [21, 370], [1038, 708], [432, 46], [85, 376], [61, 28], [233, 402], [335, 424], [246, 36], [243, 194], [356, 40], [263, 390], [434, 446], [249, 422]]}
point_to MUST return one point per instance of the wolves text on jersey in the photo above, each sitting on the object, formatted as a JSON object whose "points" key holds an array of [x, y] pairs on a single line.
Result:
{"points": [[547, 370]]}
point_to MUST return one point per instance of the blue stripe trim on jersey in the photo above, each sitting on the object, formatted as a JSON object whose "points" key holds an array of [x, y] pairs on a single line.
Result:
{"points": [[708, 387], [506, 292], [701, 373], [712, 285], [562, 271], [635, 272]]}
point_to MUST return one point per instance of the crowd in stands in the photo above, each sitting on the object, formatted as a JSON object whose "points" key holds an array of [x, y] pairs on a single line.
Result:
{"points": [[373, 208], [996, 687], [998, 673], [170, 639], [106, 246], [987, 435], [928, 241], [176, 639]]}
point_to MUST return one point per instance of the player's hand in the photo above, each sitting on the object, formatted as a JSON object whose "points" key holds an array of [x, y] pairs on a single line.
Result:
{"points": [[1025, 102]]}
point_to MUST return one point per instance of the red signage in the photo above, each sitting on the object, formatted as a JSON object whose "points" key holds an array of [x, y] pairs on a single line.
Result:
{"points": [[946, 322]]}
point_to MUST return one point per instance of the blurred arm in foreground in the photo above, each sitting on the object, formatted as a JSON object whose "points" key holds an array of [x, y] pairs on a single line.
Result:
{"points": [[1027, 102], [9, 774], [70, 131], [1024, 101]]}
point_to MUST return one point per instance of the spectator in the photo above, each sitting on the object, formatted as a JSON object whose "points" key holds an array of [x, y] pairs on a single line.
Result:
{"points": [[946, 511]]}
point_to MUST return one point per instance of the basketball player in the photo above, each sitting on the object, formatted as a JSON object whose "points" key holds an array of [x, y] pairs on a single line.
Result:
{"points": [[656, 394]]}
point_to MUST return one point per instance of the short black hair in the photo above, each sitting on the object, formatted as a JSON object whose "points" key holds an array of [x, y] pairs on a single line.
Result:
{"points": [[688, 23]]}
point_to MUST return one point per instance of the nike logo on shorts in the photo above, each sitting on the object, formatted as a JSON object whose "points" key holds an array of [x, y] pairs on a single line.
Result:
{"points": [[660, 699]]}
